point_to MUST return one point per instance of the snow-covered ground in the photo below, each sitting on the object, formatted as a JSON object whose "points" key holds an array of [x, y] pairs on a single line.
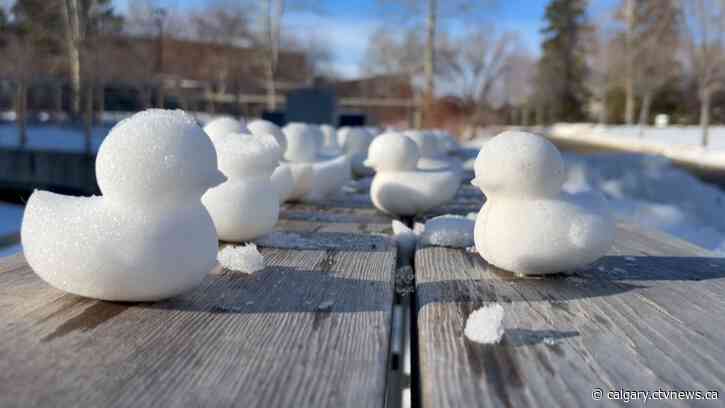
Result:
{"points": [[67, 138], [651, 192], [680, 143], [52, 137]]}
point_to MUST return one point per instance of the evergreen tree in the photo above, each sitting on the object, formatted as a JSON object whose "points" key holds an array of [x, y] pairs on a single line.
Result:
{"points": [[562, 68]]}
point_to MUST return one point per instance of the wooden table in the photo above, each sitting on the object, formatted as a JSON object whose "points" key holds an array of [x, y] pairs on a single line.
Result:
{"points": [[648, 316], [323, 326]]}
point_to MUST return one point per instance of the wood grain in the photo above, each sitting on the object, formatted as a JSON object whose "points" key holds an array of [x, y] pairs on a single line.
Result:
{"points": [[650, 315], [307, 218], [310, 330]]}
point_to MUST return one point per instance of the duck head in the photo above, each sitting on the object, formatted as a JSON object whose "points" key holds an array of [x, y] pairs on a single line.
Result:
{"points": [[261, 126], [246, 154], [393, 152], [156, 155], [222, 126], [303, 143], [519, 163]]}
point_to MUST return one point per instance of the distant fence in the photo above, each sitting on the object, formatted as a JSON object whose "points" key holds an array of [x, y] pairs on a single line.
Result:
{"points": [[24, 170]]}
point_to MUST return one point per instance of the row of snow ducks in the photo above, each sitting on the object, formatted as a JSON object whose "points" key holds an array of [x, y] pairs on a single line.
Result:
{"points": [[171, 189]]}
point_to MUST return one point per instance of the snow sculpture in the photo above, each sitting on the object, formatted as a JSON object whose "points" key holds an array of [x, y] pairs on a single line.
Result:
{"points": [[246, 206], [527, 225], [399, 186], [148, 237]]}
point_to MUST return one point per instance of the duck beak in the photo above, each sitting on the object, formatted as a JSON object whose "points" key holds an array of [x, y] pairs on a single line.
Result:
{"points": [[369, 163], [217, 178]]}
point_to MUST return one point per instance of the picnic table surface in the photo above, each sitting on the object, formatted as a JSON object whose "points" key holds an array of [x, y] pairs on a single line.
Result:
{"points": [[319, 326]]}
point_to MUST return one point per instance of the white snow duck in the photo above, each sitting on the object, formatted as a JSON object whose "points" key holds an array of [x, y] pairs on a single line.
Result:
{"points": [[148, 237], [432, 154], [527, 225], [246, 206], [355, 142], [316, 176], [282, 176], [222, 126], [399, 186]]}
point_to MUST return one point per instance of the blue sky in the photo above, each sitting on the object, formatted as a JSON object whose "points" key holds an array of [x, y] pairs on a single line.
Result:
{"points": [[347, 24]]}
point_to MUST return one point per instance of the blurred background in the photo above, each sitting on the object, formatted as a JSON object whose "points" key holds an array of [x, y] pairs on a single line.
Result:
{"points": [[639, 78]]}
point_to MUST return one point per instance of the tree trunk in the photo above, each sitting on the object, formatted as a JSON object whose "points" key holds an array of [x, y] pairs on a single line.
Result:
{"points": [[161, 96], [429, 59], [21, 106], [539, 115], [75, 79], [100, 102], [238, 100], [271, 88], [147, 94], [275, 10], [58, 100], [74, 37], [88, 119], [705, 115], [644, 112], [525, 116], [629, 64], [603, 112], [181, 95], [629, 102]]}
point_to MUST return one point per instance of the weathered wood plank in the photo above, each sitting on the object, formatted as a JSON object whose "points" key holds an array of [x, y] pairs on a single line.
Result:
{"points": [[649, 316], [310, 330], [303, 217]]}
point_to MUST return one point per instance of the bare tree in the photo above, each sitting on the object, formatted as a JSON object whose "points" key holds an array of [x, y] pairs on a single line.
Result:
{"points": [[629, 57], [222, 22], [650, 41], [389, 52], [76, 24], [432, 12], [705, 21], [478, 60], [518, 84], [19, 65], [273, 15], [602, 60]]}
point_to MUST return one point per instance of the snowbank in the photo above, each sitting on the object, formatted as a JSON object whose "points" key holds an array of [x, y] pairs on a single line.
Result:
{"points": [[651, 192], [680, 143]]}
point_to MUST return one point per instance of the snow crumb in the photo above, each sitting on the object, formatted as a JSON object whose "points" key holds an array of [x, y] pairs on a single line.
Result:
{"points": [[549, 341], [405, 238], [485, 325], [242, 258], [448, 230]]}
